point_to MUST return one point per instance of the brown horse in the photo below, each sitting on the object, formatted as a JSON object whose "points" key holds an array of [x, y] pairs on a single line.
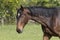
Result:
{"points": [[49, 18]]}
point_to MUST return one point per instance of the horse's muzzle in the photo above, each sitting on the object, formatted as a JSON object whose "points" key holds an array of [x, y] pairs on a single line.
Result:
{"points": [[19, 31]]}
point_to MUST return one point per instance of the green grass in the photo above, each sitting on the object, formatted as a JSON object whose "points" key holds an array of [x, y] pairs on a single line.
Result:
{"points": [[31, 32]]}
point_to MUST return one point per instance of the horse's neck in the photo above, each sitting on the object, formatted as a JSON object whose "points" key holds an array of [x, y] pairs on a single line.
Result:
{"points": [[43, 15], [42, 20]]}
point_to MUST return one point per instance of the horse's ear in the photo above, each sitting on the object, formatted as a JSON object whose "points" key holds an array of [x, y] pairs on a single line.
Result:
{"points": [[22, 8]]}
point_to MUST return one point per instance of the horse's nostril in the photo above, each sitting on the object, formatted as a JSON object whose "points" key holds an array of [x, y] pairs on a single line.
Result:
{"points": [[19, 31]]}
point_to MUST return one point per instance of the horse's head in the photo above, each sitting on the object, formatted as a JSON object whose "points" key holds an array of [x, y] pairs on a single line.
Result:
{"points": [[22, 18]]}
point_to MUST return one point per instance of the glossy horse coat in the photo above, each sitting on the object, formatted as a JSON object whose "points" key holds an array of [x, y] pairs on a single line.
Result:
{"points": [[49, 18]]}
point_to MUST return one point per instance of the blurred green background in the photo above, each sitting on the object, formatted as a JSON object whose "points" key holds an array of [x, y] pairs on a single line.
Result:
{"points": [[8, 11], [8, 8]]}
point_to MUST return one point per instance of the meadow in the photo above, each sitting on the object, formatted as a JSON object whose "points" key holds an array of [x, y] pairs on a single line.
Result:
{"points": [[31, 31]]}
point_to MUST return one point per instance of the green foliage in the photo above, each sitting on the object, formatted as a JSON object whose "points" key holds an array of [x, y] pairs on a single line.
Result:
{"points": [[8, 7]]}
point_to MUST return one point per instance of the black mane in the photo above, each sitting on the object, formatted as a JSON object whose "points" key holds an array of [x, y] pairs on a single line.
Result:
{"points": [[42, 11]]}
